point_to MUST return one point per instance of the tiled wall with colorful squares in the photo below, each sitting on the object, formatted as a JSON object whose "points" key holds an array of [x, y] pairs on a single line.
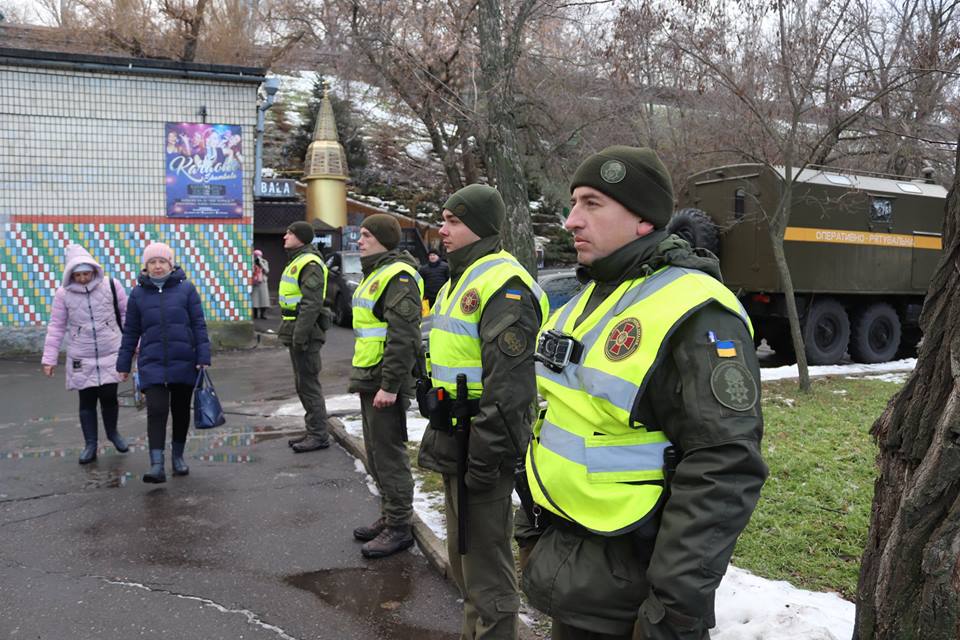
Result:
{"points": [[215, 257]]}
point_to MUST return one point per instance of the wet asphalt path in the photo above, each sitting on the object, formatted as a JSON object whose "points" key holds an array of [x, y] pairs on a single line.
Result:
{"points": [[255, 543]]}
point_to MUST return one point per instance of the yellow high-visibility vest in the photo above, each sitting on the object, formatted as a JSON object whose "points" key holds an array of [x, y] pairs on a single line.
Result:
{"points": [[370, 332], [455, 345], [288, 293], [587, 461]]}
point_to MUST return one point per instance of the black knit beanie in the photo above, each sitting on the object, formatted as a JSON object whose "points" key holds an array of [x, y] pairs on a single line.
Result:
{"points": [[634, 177], [303, 230], [479, 207], [384, 228]]}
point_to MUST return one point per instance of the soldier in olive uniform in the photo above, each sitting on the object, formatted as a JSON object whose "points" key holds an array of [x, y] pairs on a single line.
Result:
{"points": [[386, 326], [303, 329], [645, 465], [485, 322]]}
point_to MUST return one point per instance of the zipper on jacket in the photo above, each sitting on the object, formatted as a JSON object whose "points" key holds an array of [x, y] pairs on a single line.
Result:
{"points": [[163, 324], [93, 327]]}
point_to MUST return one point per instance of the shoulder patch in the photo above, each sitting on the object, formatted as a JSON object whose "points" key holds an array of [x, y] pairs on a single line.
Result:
{"points": [[623, 340], [514, 294], [512, 341], [313, 280], [293, 270], [469, 301], [733, 386], [374, 287]]}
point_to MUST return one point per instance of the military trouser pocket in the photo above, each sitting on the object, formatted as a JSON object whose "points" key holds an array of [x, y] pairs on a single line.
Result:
{"points": [[508, 604]]}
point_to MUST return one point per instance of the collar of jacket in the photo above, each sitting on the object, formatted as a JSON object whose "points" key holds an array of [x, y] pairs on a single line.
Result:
{"points": [[176, 277], [645, 255], [462, 258], [293, 253], [371, 263]]}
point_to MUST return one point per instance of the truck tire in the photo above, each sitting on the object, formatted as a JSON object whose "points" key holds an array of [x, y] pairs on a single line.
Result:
{"points": [[875, 334], [696, 227], [826, 332]]}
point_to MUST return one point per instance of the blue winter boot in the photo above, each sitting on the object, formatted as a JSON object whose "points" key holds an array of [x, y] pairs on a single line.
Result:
{"points": [[156, 474], [88, 424], [180, 467], [110, 417]]}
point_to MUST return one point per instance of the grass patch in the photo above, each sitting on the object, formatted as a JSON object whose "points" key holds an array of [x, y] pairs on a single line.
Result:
{"points": [[432, 482], [811, 523]]}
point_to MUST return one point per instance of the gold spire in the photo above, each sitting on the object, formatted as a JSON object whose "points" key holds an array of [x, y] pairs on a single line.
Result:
{"points": [[325, 169]]}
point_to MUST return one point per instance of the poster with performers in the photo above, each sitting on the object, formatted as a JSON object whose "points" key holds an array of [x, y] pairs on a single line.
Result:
{"points": [[204, 170]]}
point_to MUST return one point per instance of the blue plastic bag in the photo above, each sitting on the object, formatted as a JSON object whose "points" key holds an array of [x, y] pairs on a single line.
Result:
{"points": [[207, 412]]}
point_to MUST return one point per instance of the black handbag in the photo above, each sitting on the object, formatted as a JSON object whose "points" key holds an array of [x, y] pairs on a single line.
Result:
{"points": [[207, 412]]}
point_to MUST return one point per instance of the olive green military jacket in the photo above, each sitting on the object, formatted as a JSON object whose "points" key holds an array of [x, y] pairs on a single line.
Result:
{"points": [[398, 306], [712, 494], [502, 427], [312, 319]]}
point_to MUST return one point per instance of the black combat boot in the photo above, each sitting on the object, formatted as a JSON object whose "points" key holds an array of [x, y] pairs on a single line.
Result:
{"points": [[369, 533], [310, 443], [297, 440], [110, 416], [156, 474], [88, 425], [390, 541], [180, 467]]}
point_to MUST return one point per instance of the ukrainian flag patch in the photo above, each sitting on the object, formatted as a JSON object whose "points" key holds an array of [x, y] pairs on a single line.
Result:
{"points": [[726, 349], [404, 279], [514, 294]]}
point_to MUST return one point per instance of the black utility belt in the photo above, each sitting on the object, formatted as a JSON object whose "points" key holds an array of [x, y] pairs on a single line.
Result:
{"points": [[437, 405]]}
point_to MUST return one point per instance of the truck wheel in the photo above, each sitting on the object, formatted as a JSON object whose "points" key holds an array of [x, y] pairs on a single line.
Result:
{"points": [[826, 332], [696, 227], [875, 335]]}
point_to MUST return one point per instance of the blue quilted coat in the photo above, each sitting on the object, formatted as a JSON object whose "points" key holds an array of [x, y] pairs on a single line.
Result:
{"points": [[169, 325]]}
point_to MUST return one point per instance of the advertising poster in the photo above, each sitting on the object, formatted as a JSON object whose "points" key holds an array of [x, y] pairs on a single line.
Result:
{"points": [[204, 170]]}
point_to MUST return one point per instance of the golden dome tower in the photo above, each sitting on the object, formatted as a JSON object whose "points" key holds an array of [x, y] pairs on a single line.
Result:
{"points": [[325, 170]]}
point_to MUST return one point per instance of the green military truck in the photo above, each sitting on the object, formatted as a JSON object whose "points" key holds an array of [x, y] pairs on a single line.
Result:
{"points": [[861, 251]]}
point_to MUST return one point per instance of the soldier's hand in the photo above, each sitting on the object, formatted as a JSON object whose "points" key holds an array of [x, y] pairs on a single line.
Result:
{"points": [[48, 370], [384, 399]]}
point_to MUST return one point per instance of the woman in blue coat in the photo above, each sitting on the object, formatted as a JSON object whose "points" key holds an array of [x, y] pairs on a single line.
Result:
{"points": [[165, 316]]}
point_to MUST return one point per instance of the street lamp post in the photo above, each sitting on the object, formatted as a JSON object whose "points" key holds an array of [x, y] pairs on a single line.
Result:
{"points": [[270, 87]]}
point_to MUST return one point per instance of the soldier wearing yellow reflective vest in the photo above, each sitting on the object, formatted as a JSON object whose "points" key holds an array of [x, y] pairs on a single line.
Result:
{"points": [[645, 465], [484, 326], [303, 287], [386, 327]]}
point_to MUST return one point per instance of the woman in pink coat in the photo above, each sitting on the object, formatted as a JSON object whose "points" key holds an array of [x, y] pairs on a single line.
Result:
{"points": [[86, 310]]}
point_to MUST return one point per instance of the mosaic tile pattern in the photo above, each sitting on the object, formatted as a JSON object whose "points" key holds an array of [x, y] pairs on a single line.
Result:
{"points": [[215, 257]]}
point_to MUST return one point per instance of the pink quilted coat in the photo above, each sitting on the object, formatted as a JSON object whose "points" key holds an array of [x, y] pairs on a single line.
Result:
{"points": [[84, 314]]}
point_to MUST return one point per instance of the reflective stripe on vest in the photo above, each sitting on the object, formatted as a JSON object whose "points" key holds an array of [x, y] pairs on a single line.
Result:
{"points": [[455, 345], [289, 294], [590, 462], [369, 330]]}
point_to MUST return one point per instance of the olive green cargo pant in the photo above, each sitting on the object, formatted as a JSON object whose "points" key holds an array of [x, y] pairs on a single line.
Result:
{"points": [[306, 379], [486, 575], [387, 459]]}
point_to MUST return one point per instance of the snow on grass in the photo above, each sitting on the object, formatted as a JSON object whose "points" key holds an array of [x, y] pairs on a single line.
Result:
{"points": [[749, 607], [345, 403], [790, 371]]}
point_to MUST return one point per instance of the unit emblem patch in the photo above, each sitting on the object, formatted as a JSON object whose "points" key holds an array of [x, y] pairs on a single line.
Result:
{"points": [[623, 340], [470, 301], [374, 287], [733, 386], [613, 171], [293, 270], [512, 341]]}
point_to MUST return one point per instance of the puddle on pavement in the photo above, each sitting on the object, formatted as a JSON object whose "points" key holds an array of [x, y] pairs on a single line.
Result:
{"points": [[376, 596], [113, 479]]}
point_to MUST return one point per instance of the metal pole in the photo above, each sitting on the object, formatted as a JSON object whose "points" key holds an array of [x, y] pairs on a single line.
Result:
{"points": [[270, 87]]}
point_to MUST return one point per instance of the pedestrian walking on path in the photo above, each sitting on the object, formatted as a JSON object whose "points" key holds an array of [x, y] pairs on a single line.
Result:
{"points": [[435, 274], [87, 309], [259, 285], [303, 289], [485, 324], [165, 317], [386, 326]]}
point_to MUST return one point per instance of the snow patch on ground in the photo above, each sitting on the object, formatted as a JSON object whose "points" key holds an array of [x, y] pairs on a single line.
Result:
{"points": [[790, 371], [749, 606], [347, 402], [896, 378]]}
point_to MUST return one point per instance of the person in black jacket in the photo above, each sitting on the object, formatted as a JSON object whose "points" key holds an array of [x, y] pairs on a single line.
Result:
{"points": [[165, 316], [435, 273]]}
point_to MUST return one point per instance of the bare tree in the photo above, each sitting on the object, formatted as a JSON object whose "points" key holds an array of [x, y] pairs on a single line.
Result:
{"points": [[909, 585]]}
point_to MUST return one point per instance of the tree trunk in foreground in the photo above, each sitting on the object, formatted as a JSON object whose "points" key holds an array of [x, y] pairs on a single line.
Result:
{"points": [[910, 572]]}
